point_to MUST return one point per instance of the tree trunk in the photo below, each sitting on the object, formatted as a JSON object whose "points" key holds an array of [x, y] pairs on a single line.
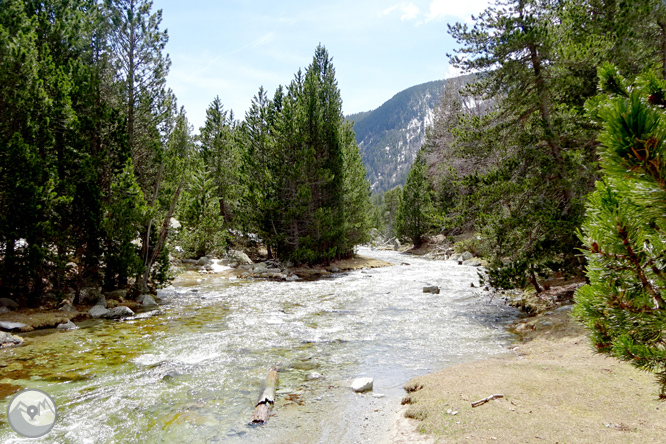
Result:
{"points": [[266, 399]]}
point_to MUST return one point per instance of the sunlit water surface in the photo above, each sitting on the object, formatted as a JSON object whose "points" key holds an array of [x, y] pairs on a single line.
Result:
{"points": [[193, 372]]}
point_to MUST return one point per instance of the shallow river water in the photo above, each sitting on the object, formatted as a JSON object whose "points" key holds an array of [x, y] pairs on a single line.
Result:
{"points": [[192, 372]]}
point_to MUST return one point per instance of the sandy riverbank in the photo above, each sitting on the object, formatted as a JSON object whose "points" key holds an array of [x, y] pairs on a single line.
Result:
{"points": [[556, 390]]}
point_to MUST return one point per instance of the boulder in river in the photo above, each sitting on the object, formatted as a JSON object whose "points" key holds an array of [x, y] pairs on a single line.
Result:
{"points": [[203, 261], [147, 301], [69, 325], [432, 289], [98, 311], [7, 340], [9, 303], [360, 385], [11, 326], [119, 312]]}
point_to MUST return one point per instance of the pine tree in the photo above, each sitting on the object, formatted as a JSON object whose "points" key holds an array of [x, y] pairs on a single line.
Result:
{"points": [[414, 218], [623, 306]]}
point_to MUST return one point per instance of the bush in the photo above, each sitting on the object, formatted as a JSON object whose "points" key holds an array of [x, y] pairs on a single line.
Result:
{"points": [[623, 307]]}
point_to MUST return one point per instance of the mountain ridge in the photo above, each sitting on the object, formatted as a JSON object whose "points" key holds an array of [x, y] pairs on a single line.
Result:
{"points": [[391, 135]]}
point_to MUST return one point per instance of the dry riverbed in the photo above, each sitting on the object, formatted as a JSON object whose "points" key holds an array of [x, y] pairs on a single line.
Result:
{"points": [[555, 390]]}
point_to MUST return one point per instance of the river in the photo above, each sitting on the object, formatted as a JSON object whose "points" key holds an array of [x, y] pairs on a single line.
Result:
{"points": [[191, 372]]}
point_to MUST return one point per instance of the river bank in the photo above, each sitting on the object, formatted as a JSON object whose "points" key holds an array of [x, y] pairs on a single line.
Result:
{"points": [[555, 389]]}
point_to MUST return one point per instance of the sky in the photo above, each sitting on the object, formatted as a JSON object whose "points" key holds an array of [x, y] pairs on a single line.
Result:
{"points": [[229, 48]]}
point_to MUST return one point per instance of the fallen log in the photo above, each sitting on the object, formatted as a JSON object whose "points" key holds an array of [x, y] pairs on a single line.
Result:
{"points": [[484, 400], [266, 399]]}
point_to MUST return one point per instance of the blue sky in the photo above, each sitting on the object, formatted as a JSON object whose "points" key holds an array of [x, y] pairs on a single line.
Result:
{"points": [[232, 47]]}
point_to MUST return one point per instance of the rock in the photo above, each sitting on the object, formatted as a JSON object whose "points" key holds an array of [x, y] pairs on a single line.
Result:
{"points": [[466, 256], [69, 325], [313, 376], [4, 310], [396, 244], [9, 303], [334, 269], [119, 312], [203, 261], [240, 257], [433, 289], [98, 312], [147, 301], [68, 308], [189, 261], [7, 340], [91, 296], [117, 295], [10, 326], [563, 309], [474, 262], [102, 302], [292, 278], [439, 239], [360, 385], [260, 267]]}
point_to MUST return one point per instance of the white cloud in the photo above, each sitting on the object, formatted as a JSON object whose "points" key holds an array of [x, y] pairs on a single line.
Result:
{"points": [[409, 11], [440, 9]]}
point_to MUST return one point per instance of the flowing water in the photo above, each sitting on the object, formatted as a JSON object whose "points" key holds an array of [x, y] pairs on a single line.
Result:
{"points": [[192, 372]]}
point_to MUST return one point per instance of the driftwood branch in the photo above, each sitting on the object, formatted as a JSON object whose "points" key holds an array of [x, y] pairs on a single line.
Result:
{"points": [[266, 399], [484, 400]]}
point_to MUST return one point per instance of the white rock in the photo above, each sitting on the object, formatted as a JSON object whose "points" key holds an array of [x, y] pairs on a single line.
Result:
{"points": [[433, 289], [9, 326], [360, 385]]}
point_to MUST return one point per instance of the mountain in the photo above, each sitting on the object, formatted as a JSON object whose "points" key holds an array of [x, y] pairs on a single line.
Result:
{"points": [[390, 136]]}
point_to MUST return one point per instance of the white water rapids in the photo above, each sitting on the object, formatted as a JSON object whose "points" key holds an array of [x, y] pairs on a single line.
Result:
{"points": [[192, 373]]}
